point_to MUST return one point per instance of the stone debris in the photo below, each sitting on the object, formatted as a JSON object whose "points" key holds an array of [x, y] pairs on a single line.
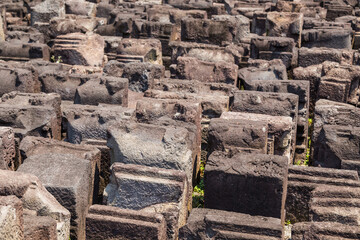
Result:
{"points": [[179, 119]]}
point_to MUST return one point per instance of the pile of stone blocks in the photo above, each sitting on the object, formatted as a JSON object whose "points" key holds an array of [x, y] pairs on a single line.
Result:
{"points": [[149, 119]]}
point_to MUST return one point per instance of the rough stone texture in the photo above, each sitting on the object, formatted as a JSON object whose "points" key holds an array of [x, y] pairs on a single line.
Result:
{"points": [[234, 136], [254, 184], [102, 220], [110, 90], [91, 122], [80, 49], [8, 159], [141, 75], [303, 180], [46, 10], [31, 114], [212, 224], [20, 51], [39, 227], [150, 189], [80, 8], [324, 230], [287, 24], [11, 218], [166, 147], [193, 69], [333, 113], [31, 146], [314, 56], [280, 129], [336, 144], [216, 30], [68, 179], [35, 199], [327, 37]]}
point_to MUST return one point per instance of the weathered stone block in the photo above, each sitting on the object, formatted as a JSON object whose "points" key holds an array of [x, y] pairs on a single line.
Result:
{"points": [[103, 89], [193, 69], [234, 136], [46, 10], [71, 186], [327, 37], [8, 159], [334, 89], [203, 223], [31, 114], [80, 8], [102, 220], [150, 189], [35, 199], [23, 51], [80, 49], [254, 184], [141, 75], [150, 145], [39, 227], [11, 218]]}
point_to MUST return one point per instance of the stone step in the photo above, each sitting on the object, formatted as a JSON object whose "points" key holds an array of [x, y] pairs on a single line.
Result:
{"points": [[242, 236], [336, 202], [322, 180], [344, 215]]}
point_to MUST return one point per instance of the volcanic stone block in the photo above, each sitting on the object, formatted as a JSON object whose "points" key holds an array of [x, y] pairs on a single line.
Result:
{"points": [[203, 223], [149, 189], [80, 49], [334, 113], [234, 136], [279, 24], [335, 204], [11, 218], [254, 184], [336, 144], [70, 186], [263, 70], [31, 114], [102, 220], [23, 51], [280, 130], [324, 230], [314, 56], [103, 89], [91, 122], [17, 79], [31, 146], [166, 147], [46, 10], [137, 50], [39, 227], [141, 75], [193, 69], [7, 149], [269, 48], [334, 89], [221, 28], [80, 8], [35, 199], [303, 180], [327, 37]]}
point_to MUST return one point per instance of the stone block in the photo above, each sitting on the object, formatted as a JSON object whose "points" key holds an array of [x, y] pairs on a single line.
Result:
{"points": [[83, 122], [46, 10], [141, 75], [35, 199], [80, 49], [325, 230], [254, 184], [327, 37], [193, 69], [229, 225], [8, 152], [103, 89], [16, 51], [31, 114], [280, 130], [168, 147], [152, 190], [71, 186], [234, 136], [334, 89], [31, 146], [80, 8], [39, 227], [11, 218], [315, 56], [130, 224]]}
